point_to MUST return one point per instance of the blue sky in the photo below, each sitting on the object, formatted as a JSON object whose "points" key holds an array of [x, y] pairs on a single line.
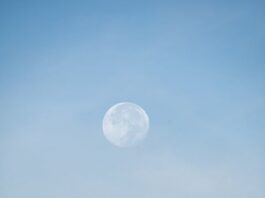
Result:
{"points": [[196, 68]]}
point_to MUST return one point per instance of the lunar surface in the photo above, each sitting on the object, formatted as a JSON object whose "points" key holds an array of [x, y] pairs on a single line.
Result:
{"points": [[125, 124]]}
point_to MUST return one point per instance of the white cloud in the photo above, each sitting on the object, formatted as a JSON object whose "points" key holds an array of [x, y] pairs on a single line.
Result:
{"points": [[168, 178]]}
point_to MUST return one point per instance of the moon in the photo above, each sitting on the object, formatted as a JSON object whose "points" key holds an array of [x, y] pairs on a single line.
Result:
{"points": [[125, 124]]}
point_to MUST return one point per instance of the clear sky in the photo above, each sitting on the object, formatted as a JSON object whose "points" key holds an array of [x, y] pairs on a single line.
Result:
{"points": [[198, 69]]}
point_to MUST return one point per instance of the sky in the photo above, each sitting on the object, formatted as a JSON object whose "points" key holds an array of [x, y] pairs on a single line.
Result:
{"points": [[197, 68]]}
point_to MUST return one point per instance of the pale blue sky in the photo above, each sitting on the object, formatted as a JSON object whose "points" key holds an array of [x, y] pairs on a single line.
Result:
{"points": [[198, 69]]}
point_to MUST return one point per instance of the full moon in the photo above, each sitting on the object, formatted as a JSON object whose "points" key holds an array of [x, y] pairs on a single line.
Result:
{"points": [[125, 124]]}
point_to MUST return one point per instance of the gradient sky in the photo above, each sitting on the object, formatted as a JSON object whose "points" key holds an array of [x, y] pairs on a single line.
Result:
{"points": [[198, 69]]}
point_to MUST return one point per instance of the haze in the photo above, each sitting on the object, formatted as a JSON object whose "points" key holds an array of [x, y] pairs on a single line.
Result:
{"points": [[196, 68]]}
